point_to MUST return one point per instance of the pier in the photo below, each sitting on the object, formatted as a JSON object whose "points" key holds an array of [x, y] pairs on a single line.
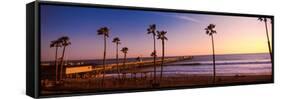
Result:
{"points": [[111, 68]]}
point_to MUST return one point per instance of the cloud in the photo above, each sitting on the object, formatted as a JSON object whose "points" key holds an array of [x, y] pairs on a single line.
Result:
{"points": [[187, 18], [180, 16]]}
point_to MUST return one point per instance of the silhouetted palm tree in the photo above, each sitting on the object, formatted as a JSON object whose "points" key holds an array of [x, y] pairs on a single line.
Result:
{"points": [[210, 31], [56, 44], [116, 40], [125, 51], [153, 54], [64, 42], [152, 30], [264, 19], [104, 31], [162, 37]]}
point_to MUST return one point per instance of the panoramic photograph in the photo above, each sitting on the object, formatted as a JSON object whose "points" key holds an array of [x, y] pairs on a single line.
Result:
{"points": [[90, 50]]}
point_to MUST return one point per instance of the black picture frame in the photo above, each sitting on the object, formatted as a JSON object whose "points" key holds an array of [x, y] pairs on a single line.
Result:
{"points": [[33, 45]]}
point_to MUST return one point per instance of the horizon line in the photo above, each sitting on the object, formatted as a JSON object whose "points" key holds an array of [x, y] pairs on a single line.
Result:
{"points": [[166, 56]]}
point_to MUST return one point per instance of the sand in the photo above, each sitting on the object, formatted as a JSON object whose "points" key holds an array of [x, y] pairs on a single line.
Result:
{"points": [[94, 84]]}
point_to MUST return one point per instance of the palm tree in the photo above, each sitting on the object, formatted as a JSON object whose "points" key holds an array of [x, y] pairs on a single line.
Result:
{"points": [[151, 30], [64, 42], [104, 31], [162, 37], [264, 19], [116, 40], [56, 44], [210, 31], [125, 51]]}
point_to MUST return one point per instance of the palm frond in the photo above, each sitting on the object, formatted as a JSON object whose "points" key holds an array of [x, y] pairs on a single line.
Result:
{"points": [[260, 18], [52, 43], [153, 53], [103, 31], [161, 35], [151, 29], [124, 49], [64, 40], [116, 40], [210, 29]]}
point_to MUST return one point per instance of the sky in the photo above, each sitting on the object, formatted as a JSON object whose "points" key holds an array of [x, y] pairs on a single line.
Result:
{"points": [[185, 32]]}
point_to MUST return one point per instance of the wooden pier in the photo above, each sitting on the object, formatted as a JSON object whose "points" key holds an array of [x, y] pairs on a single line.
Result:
{"points": [[109, 68]]}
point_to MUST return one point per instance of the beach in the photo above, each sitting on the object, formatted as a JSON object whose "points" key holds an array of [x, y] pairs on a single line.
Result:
{"points": [[94, 85], [185, 72]]}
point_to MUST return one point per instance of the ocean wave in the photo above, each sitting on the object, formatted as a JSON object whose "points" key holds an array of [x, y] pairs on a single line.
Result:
{"points": [[219, 63]]}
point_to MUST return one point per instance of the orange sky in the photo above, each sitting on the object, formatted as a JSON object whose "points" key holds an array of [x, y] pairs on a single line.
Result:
{"points": [[234, 35]]}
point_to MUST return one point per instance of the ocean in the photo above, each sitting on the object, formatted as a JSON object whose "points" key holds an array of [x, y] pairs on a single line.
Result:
{"points": [[226, 65]]}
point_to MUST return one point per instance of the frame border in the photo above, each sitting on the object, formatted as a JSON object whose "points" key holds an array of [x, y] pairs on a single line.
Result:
{"points": [[89, 5]]}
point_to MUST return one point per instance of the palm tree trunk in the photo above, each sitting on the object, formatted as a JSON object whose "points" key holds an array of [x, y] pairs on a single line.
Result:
{"points": [[117, 61], [162, 62], [124, 62], [135, 70], [154, 58], [104, 54], [268, 42], [214, 64], [56, 64], [61, 69]]}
